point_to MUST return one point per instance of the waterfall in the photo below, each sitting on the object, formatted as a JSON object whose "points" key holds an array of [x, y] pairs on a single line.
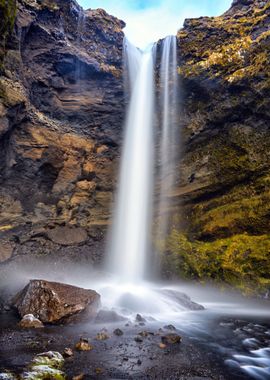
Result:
{"points": [[168, 143], [133, 214]]}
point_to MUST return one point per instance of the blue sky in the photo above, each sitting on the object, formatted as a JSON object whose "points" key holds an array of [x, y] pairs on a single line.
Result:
{"points": [[149, 20]]}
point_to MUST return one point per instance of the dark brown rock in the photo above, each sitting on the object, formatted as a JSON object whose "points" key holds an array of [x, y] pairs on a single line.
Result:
{"points": [[61, 113], [118, 332], [52, 302], [68, 353], [171, 339], [67, 235]]}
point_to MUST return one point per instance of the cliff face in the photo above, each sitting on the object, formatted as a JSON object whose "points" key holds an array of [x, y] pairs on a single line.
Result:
{"points": [[61, 111], [224, 187]]}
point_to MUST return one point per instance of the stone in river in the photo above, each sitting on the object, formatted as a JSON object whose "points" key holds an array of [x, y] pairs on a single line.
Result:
{"points": [[83, 345], [171, 339], [118, 332], [53, 302], [29, 321]]}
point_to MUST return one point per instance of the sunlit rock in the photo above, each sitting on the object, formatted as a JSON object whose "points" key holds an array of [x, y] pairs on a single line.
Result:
{"points": [[83, 345], [29, 321], [53, 302]]}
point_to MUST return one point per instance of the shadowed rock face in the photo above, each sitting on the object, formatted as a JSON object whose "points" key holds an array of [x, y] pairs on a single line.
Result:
{"points": [[53, 302], [61, 114], [224, 186]]}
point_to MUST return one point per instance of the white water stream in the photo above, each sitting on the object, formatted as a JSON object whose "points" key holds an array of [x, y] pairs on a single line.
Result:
{"points": [[131, 230], [169, 129]]}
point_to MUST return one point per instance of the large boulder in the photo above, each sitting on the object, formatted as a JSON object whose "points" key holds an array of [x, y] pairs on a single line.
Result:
{"points": [[53, 302]]}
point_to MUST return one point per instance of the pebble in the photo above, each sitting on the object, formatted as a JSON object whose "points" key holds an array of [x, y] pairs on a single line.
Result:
{"points": [[138, 339], [68, 352], [83, 345], [118, 332]]}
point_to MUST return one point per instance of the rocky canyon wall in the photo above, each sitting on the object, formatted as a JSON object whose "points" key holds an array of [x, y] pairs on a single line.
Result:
{"points": [[61, 114], [224, 187]]}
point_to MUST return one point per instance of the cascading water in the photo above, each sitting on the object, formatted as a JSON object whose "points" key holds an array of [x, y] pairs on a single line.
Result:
{"points": [[129, 244], [132, 222], [169, 110]]}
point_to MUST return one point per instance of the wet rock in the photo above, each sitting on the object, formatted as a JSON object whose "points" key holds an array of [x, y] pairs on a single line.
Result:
{"points": [[162, 346], [171, 339], [118, 332], [102, 336], [79, 377], [52, 302], [139, 318], [182, 299], [83, 345], [44, 366], [67, 235], [29, 321], [169, 327], [68, 352], [7, 376], [108, 316], [138, 339], [50, 358]]}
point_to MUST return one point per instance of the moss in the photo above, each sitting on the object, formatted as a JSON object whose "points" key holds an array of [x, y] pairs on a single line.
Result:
{"points": [[8, 10], [45, 366], [241, 260], [247, 213], [50, 5], [239, 59]]}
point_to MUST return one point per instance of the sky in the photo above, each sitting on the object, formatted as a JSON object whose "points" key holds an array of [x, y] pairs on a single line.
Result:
{"points": [[149, 20]]}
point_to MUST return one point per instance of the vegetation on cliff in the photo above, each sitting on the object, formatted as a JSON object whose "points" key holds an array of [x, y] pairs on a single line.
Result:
{"points": [[7, 16], [240, 260], [223, 190]]}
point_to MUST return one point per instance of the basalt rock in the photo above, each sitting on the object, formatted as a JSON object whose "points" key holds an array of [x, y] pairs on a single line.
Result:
{"points": [[53, 302], [61, 113], [223, 187]]}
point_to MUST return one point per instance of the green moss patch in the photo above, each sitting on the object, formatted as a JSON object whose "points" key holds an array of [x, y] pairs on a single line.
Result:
{"points": [[241, 260]]}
